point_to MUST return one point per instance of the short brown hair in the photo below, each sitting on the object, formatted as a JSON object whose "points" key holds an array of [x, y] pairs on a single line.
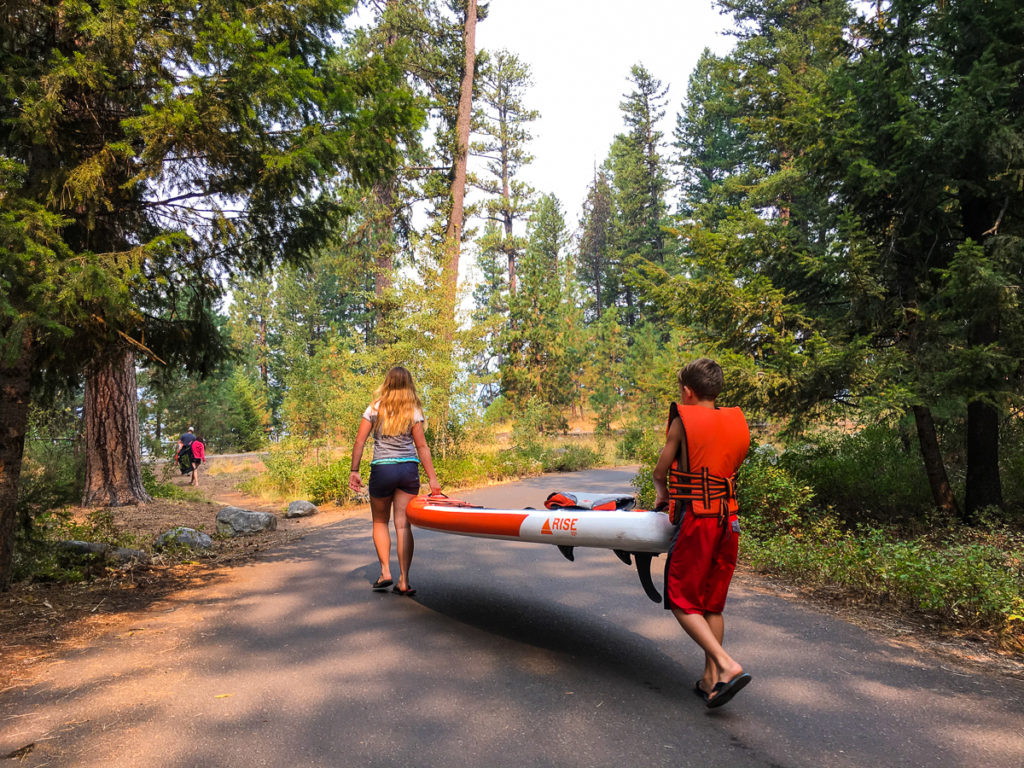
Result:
{"points": [[704, 376]]}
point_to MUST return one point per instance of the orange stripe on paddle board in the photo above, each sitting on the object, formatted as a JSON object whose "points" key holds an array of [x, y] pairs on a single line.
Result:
{"points": [[458, 520]]}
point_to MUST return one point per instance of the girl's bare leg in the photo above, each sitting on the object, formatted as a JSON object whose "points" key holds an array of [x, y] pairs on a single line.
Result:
{"points": [[404, 533], [380, 510]]}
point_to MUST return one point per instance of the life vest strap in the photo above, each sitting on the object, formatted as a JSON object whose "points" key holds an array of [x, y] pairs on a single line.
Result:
{"points": [[704, 487]]}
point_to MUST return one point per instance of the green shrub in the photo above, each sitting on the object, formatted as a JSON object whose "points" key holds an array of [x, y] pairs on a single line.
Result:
{"points": [[284, 464], [534, 423], [500, 410], [38, 558], [164, 489], [965, 579], [870, 475], [771, 499], [326, 482], [49, 478], [570, 458], [638, 443]]}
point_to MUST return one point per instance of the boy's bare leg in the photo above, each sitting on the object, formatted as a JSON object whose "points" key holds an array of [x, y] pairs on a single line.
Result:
{"points": [[710, 677], [703, 630]]}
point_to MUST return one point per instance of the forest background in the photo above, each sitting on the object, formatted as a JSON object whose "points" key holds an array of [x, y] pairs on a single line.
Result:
{"points": [[239, 217]]}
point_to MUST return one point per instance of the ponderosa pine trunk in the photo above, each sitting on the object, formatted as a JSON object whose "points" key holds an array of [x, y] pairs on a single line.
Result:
{"points": [[984, 488], [385, 191], [15, 380], [381, 331], [934, 466], [113, 456], [453, 234]]}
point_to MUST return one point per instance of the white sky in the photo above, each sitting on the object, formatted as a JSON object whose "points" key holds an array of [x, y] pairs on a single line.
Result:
{"points": [[580, 53]]}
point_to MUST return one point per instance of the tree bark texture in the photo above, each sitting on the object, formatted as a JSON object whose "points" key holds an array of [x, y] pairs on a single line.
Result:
{"points": [[984, 488], [934, 467], [15, 381], [453, 235], [113, 457], [385, 192]]}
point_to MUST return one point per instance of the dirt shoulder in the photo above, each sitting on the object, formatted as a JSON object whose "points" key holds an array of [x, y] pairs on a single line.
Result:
{"points": [[41, 620]]}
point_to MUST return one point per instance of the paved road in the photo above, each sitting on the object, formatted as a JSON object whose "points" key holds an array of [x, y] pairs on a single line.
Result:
{"points": [[508, 656]]}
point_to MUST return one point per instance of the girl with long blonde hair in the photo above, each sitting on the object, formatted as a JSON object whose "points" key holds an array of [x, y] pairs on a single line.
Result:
{"points": [[395, 417]]}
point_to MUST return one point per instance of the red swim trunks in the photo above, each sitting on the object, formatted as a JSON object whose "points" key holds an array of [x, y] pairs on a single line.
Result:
{"points": [[700, 564]]}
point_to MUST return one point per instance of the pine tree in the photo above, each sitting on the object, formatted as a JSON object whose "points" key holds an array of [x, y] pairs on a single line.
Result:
{"points": [[710, 141], [501, 120], [594, 263], [639, 183], [166, 176], [538, 363], [917, 134]]}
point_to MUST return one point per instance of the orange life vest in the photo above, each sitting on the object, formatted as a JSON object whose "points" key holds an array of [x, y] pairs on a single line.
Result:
{"points": [[716, 441]]}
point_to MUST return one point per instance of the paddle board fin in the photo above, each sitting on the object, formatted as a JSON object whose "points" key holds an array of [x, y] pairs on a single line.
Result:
{"points": [[643, 569], [566, 550]]}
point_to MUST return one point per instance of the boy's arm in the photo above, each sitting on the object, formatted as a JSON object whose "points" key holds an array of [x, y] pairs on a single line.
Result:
{"points": [[669, 452]]}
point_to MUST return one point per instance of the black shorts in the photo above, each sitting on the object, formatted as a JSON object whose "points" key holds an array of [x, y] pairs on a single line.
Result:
{"points": [[385, 479]]}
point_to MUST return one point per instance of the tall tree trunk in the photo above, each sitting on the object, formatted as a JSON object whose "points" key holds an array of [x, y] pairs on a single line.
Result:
{"points": [[453, 234], [113, 460], [934, 467], [507, 221], [385, 192], [383, 243], [263, 346], [14, 400], [984, 488]]}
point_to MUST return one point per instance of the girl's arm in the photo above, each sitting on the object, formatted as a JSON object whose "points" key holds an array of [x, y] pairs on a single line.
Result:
{"points": [[423, 451], [355, 482]]}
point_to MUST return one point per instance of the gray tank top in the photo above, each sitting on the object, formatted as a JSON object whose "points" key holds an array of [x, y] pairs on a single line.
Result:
{"points": [[391, 449]]}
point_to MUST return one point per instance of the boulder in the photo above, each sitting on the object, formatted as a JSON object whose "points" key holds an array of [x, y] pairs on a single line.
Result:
{"points": [[117, 554], [186, 537], [300, 509], [233, 521]]}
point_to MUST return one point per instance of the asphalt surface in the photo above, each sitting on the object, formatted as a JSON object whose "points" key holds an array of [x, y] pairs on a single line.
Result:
{"points": [[508, 655]]}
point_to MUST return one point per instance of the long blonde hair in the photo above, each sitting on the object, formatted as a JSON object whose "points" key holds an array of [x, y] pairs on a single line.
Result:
{"points": [[396, 402]]}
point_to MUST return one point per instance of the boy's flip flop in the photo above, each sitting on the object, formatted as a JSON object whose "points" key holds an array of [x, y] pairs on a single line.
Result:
{"points": [[700, 691], [381, 584], [404, 592], [723, 692]]}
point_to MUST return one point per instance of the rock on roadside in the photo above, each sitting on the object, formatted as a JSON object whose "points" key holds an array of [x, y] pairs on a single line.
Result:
{"points": [[118, 554], [187, 537], [301, 509], [234, 521]]}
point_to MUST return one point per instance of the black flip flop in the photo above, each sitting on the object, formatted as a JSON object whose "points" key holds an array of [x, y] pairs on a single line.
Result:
{"points": [[403, 592], [700, 691], [381, 584], [723, 692]]}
